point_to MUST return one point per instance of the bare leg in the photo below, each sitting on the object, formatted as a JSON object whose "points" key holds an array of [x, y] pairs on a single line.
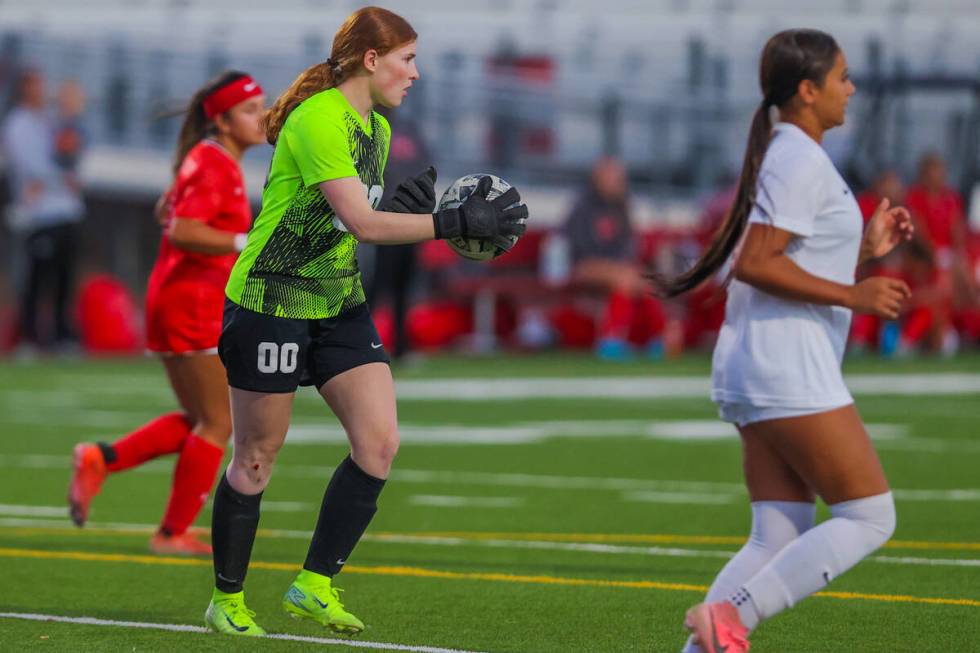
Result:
{"points": [[364, 401], [259, 422], [201, 387], [830, 452]]}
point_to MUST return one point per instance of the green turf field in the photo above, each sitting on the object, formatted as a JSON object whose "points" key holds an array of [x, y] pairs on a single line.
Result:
{"points": [[574, 521]]}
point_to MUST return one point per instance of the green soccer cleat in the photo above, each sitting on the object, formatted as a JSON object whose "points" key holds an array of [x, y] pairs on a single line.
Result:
{"points": [[227, 614], [311, 596]]}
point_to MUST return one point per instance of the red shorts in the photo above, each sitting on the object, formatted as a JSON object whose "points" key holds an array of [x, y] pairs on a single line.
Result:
{"points": [[184, 318]]}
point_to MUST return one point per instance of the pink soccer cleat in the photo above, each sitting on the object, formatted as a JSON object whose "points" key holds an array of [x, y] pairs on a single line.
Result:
{"points": [[717, 628], [185, 544], [88, 471]]}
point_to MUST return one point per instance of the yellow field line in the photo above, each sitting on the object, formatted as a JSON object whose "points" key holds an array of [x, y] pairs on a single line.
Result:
{"points": [[604, 538], [419, 572]]}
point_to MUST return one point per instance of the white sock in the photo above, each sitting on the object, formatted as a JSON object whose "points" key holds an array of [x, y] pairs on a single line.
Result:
{"points": [[774, 525], [823, 553]]}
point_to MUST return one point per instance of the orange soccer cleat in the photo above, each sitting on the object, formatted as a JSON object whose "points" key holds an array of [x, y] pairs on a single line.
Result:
{"points": [[184, 544], [717, 628], [88, 471]]}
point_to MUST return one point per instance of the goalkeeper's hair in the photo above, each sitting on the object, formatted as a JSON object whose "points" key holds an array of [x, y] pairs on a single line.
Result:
{"points": [[196, 126], [368, 28]]}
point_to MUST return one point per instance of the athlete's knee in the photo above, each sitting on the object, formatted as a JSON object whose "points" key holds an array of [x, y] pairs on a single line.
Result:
{"points": [[378, 449], [253, 463], [216, 429], [875, 515], [385, 447]]}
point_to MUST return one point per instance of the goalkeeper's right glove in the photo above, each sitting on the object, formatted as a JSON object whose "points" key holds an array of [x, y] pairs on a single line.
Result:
{"points": [[478, 217]]}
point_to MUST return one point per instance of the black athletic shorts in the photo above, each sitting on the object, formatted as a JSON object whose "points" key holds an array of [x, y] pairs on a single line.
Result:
{"points": [[265, 353]]}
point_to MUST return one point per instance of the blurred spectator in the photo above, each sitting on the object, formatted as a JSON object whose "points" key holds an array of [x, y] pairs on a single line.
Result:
{"points": [[69, 140], [938, 211], [602, 247], [887, 185], [925, 264], [941, 224], [926, 319], [45, 209], [866, 329], [395, 265]]}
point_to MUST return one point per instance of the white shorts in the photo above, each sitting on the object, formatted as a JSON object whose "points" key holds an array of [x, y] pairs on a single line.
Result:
{"points": [[745, 414]]}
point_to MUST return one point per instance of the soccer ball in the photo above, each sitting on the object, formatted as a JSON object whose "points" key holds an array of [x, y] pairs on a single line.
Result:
{"points": [[472, 248]]}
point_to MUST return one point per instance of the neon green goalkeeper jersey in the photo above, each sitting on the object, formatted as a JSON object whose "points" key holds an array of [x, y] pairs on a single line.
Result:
{"points": [[300, 259]]}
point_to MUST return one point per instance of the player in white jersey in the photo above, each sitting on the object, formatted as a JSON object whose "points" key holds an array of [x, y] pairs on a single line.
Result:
{"points": [[776, 367]]}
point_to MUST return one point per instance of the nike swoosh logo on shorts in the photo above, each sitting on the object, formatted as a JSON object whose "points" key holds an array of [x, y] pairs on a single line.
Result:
{"points": [[375, 346]]}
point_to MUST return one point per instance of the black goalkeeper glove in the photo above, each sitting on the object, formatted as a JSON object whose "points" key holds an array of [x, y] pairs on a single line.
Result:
{"points": [[481, 218], [415, 195]]}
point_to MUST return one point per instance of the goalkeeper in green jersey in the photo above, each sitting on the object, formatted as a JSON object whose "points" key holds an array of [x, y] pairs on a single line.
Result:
{"points": [[295, 312]]}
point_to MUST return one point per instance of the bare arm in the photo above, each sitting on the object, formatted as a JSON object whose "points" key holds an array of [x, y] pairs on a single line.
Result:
{"points": [[196, 236], [763, 263], [350, 202]]}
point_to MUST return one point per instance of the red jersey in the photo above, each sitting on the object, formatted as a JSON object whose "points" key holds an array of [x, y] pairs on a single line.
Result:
{"points": [[209, 187], [938, 213], [185, 295]]}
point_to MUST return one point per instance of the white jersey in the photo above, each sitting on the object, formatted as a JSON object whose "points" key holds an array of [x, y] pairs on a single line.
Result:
{"points": [[778, 352]]}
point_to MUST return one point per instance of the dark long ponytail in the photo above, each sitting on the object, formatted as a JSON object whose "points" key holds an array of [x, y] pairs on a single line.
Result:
{"points": [[196, 126], [788, 58]]}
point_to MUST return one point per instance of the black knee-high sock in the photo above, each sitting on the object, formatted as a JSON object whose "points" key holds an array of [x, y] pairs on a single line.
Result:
{"points": [[234, 520], [348, 505]]}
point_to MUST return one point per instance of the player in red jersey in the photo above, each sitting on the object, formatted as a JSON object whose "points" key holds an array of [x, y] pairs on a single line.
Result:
{"points": [[206, 216], [943, 229]]}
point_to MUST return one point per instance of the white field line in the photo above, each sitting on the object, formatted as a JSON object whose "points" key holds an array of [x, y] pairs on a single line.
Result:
{"points": [[660, 387], [289, 506], [888, 437], [693, 498], [685, 431], [185, 628], [500, 543], [960, 495], [80, 417], [445, 501], [32, 511], [435, 477], [929, 562], [612, 387], [584, 547], [720, 492], [547, 481], [930, 445], [21, 522]]}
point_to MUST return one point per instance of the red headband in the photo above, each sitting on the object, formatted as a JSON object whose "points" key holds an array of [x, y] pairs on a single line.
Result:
{"points": [[229, 95]]}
